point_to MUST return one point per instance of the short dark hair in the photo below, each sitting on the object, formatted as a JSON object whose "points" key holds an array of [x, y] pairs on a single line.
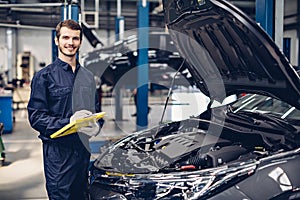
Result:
{"points": [[69, 23]]}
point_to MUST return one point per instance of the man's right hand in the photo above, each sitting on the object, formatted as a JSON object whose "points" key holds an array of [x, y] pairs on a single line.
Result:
{"points": [[80, 114], [92, 129]]}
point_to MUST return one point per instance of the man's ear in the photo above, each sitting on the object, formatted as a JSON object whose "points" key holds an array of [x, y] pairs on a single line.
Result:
{"points": [[56, 41]]}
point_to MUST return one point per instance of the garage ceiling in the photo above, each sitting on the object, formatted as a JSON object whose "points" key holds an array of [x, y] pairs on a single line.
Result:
{"points": [[47, 13]]}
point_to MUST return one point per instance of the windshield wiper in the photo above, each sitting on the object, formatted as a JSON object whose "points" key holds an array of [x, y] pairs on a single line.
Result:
{"points": [[269, 117]]}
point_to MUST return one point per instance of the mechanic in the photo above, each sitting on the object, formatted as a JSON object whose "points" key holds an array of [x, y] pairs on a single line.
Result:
{"points": [[61, 93], [134, 94]]}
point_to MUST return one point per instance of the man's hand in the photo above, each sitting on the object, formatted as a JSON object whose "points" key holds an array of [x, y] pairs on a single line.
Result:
{"points": [[80, 114], [92, 129]]}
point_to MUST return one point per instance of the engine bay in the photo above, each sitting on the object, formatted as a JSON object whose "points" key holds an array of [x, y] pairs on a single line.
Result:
{"points": [[192, 145]]}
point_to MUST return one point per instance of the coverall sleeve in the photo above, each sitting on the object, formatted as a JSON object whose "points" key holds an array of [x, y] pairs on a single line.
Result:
{"points": [[38, 108]]}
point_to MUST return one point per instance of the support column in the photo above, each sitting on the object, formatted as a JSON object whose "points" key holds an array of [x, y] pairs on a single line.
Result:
{"points": [[68, 11], [11, 53], [298, 33], [119, 21], [142, 82], [119, 29], [265, 15], [278, 29]]}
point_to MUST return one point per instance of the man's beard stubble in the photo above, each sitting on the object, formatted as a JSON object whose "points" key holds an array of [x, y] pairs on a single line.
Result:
{"points": [[68, 55]]}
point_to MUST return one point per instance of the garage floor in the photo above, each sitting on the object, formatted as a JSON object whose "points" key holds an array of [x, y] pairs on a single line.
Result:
{"points": [[22, 177]]}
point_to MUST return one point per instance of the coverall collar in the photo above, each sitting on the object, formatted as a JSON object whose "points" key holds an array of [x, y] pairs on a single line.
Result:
{"points": [[66, 66]]}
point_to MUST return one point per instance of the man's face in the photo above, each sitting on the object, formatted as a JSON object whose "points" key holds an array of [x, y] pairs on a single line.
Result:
{"points": [[69, 41]]}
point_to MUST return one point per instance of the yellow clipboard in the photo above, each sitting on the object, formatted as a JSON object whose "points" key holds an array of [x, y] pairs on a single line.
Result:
{"points": [[75, 125]]}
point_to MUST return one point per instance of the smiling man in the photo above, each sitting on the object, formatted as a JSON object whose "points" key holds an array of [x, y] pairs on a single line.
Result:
{"points": [[61, 93], [68, 41]]}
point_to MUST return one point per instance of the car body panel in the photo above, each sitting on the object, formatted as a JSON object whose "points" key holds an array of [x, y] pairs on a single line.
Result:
{"points": [[277, 175]]}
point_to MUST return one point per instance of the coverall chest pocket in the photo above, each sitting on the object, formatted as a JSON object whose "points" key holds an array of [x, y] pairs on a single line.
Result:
{"points": [[59, 93]]}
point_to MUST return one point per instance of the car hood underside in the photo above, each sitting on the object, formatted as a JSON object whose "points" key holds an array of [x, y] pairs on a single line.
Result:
{"points": [[227, 52]]}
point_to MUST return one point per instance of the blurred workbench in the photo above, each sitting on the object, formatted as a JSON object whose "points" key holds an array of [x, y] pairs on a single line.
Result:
{"points": [[21, 97]]}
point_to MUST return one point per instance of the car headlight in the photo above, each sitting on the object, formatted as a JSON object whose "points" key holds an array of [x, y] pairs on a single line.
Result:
{"points": [[196, 184], [183, 184]]}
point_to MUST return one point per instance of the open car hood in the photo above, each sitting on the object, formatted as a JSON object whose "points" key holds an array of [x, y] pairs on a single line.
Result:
{"points": [[228, 52]]}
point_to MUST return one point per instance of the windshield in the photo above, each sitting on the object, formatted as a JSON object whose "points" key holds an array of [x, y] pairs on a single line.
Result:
{"points": [[265, 104]]}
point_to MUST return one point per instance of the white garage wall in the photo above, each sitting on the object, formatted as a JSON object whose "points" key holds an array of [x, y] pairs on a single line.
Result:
{"points": [[2, 38], [294, 46], [36, 42], [39, 43], [3, 51]]}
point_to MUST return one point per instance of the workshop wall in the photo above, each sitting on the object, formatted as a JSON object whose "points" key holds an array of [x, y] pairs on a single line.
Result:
{"points": [[3, 50], [294, 46], [39, 44], [2, 38]]}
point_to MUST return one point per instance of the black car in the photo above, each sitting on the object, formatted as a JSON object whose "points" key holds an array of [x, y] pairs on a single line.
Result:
{"points": [[245, 149], [111, 63]]}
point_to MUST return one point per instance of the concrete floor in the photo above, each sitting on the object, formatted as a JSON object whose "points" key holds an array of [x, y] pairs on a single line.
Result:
{"points": [[22, 175]]}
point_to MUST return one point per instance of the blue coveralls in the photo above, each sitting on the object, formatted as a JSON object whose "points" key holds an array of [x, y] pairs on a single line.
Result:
{"points": [[56, 93]]}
